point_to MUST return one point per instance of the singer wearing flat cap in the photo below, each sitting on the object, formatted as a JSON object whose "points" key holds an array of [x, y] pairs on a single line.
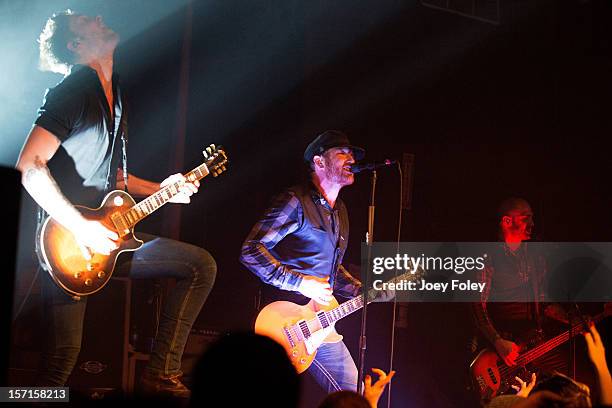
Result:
{"points": [[298, 244]]}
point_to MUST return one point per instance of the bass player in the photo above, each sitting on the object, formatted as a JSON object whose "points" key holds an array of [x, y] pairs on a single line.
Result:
{"points": [[511, 310]]}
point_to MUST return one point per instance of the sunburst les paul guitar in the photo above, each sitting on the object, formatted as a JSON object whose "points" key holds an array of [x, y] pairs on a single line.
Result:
{"points": [[301, 330], [62, 256], [492, 377]]}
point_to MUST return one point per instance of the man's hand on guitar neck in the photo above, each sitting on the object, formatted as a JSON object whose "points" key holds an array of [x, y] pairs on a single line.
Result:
{"points": [[186, 190], [507, 350], [317, 289]]}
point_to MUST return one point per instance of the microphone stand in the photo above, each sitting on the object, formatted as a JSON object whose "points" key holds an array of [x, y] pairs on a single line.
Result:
{"points": [[572, 348], [364, 311]]}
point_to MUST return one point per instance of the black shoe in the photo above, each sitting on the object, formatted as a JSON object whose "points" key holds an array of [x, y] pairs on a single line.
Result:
{"points": [[170, 386]]}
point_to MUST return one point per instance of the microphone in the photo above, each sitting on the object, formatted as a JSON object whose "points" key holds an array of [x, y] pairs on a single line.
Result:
{"points": [[358, 168]]}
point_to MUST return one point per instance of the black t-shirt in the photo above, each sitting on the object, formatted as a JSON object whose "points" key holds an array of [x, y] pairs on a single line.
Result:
{"points": [[76, 112]]}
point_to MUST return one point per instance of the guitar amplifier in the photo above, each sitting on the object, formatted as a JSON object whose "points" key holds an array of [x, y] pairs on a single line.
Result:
{"points": [[198, 342]]}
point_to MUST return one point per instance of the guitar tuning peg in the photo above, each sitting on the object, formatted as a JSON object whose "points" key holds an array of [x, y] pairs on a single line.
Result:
{"points": [[209, 150], [212, 146], [205, 154], [223, 168], [215, 174]]}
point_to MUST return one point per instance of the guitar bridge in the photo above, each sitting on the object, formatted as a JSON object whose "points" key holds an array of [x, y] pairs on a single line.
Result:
{"points": [[289, 338]]}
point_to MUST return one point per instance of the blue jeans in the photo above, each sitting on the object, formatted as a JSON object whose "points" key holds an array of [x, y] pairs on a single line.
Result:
{"points": [[333, 368], [192, 267]]}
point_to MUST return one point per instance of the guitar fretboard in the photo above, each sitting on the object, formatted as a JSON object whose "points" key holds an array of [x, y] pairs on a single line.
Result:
{"points": [[356, 303], [344, 309], [139, 211], [556, 341]]}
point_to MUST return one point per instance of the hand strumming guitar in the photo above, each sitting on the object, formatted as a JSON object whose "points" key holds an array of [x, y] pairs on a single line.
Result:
{"points": [[507, 350], [92, 236], [317, 289]]}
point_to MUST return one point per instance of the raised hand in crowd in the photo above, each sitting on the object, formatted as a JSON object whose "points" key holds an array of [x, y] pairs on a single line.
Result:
{"points": [[372, 392], [597, 354], [524, 387]]}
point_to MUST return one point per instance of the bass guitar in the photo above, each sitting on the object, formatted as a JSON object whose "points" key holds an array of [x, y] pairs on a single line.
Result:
{"points": [[492, 377]]}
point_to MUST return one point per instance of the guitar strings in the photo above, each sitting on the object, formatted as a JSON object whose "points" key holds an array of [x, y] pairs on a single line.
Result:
{"points": [[542, 349]]}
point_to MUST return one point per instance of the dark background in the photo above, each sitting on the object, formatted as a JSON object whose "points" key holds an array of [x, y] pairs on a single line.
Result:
{"points": [[518, 108]]}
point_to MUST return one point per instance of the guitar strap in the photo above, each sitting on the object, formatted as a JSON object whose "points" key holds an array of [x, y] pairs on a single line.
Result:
{"points": [[536, 306], [124, 155], [123, 128], [117, 125], [336, 232], [536, 276]]}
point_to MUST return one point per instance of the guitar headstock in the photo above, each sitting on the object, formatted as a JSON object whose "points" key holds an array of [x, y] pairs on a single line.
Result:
{"points": [[216, 159]]}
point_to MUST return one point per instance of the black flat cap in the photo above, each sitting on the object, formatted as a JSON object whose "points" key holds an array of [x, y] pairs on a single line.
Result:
{"points": [[330, 139]]}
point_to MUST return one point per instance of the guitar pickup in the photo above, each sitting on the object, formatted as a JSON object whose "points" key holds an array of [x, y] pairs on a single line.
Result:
{"points": [[492, 375], [120, 223]]}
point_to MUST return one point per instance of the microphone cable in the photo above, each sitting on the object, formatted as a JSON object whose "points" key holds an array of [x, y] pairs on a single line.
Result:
{"points": [[394, 314]]}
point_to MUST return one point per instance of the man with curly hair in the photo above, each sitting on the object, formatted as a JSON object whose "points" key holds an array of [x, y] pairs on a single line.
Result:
{"points": [[75, 154]]}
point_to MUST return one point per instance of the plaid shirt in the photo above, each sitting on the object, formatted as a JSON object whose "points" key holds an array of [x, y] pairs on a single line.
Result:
{"points": [[284, 217]]}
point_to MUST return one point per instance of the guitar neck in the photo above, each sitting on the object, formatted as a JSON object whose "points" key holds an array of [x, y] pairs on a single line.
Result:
{"points": [[344, 309], [555, 342], [356, 303], [161, 197]]}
